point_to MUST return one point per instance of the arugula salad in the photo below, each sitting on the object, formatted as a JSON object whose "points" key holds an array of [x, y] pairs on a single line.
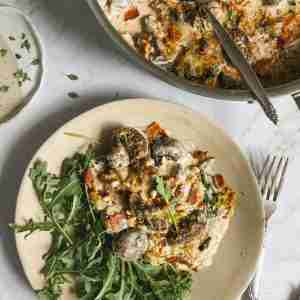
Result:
{"points": [[134, 223]]}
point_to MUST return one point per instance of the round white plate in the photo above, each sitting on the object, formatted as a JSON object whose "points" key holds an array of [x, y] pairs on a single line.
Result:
{"points": [[236, 259]]}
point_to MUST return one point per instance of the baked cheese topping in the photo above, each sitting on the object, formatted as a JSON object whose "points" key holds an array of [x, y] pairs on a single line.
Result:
{"points": [[176, 36], [161, 202]]}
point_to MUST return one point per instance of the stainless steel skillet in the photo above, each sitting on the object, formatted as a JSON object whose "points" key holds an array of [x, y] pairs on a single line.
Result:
{"points": [[217, 93]]}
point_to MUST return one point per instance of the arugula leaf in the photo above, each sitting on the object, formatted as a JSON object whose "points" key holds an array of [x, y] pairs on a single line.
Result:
{"points": [[81, 248]]}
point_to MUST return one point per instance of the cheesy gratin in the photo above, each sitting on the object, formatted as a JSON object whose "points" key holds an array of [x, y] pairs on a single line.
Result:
{"points": [[160, 202], [176, 36]]}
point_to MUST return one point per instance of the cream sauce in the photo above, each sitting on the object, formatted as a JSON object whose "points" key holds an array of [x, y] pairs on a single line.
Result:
{"points": [[10, 100]]}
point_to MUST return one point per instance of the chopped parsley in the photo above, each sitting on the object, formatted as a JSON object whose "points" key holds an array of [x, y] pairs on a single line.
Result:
{"points": [[3, 52], [72, 77], [73, 95], [4, 88], [26, 45], [36, 61], [21, 76]]}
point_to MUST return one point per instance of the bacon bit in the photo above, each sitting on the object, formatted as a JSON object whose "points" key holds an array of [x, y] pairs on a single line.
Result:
{"points": [[173, 33], [131, 14], [163, 243], [88, 178], [291, 29], [181, 260], [104, 194], [219, 181], [264, 66], [172, 259], [231, 72], [194, 197], [231, 196], [154, 130], [280, 42], [115, 221], [201, 155]]}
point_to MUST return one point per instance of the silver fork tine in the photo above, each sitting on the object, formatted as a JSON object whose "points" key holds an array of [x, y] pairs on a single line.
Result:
{"points": [[259, 177], [271, 179], [278, 190], [272, 188], [266, 179]]}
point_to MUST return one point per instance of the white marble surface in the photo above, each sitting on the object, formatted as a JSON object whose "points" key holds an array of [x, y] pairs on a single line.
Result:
{"points": [[75, 44]]}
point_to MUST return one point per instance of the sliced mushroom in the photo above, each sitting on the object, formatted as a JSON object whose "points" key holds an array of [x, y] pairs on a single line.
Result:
{"points": [[119, 157], [132, 244], [131, 145], [167, 147]]}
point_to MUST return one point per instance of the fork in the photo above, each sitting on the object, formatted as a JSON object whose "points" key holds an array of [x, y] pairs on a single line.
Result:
{"points": [[270, 181]]}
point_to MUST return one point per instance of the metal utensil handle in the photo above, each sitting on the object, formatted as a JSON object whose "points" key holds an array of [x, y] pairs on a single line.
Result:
{"points": [[296, 97], [243, 66], [252, 292]]}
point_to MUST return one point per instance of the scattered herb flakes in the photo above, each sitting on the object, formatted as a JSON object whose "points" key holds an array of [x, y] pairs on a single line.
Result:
{"points": [[18, 56], [3, 52], [26, 45], [73, 95], [21, 76], [11, 38], [4, 88], [23, 36], [72, 76], [36, 62]]}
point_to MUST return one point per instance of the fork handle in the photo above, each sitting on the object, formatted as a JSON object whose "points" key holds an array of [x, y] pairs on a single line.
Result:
{"points": [[252, 292]]}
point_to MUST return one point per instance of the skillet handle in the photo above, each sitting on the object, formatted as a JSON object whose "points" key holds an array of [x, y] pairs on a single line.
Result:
{"points": [[296, 97]]}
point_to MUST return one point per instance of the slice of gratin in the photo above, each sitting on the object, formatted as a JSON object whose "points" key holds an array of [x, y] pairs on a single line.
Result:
{"points": [[159, 201]]}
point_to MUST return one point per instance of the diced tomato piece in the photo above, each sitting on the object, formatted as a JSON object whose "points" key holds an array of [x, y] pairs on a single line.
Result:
{"points": [[131, 14], [172, 259], [88, 178], [116, 222], [219, 181], [173, 33], [154, 130], [291, 29], [194, 197]]}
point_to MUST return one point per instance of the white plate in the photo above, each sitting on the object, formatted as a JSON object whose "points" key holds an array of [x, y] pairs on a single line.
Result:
{"points": [[236, 259]]}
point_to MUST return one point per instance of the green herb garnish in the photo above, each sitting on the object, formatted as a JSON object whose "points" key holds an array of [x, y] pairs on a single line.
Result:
{"points": [[21, 76], [18, 56], [36, 62], [4, 88], [72, 76], [11, 38], [73, 95], [3, 52], [166, 194], [81, 248], [26, 44]]}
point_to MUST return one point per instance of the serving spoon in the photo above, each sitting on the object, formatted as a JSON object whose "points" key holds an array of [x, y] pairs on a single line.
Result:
{"points": [[240, 62]]}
